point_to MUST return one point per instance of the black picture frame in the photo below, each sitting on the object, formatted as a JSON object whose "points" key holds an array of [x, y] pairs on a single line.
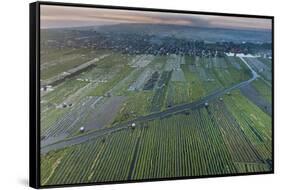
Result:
{"points": [[34, 89]]}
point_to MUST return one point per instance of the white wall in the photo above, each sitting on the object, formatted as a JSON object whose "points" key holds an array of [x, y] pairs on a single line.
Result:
{"points": [[14, 93]]}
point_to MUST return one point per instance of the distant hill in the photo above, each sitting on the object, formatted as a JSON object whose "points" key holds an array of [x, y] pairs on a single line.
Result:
{"points": [[159, 31], [193, 33]]}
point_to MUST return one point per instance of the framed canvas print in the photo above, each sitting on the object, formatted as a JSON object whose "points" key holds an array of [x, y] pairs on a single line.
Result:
{"points": [[121, 94]]}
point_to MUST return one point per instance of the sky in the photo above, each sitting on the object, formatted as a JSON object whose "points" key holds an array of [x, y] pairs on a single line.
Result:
{"points": [[66, 16]]}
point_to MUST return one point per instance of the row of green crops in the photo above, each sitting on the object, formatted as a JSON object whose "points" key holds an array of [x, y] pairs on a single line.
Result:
{"points": [[239, 146], [207, 141], [264, 89], [255, 124]]}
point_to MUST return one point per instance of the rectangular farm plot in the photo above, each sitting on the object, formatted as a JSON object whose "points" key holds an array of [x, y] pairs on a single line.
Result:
{"points": [[240, 148], [160, 92], [105, 114], [255, 124], [230, 75], [264, 89], [178, 93], [178, 75], [136, 104], [141, 80], [141, 61], [205, 71], [194, 83], [116, 69]]}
